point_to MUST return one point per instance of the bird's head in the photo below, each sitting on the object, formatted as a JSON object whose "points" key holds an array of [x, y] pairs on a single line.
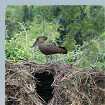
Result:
{"points": [[40, 40]]}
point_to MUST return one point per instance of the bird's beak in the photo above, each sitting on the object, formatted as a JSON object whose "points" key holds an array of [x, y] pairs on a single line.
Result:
{"points": [[34, 45]]}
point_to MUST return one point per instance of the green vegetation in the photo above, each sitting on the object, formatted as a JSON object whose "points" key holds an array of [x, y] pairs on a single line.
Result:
{"points": [[81, 29]]}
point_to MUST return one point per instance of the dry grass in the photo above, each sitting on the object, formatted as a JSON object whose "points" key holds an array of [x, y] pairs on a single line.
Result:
{"points": [[72, 86]]}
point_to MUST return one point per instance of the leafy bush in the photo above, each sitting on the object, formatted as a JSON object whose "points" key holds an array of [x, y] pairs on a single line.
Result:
{"points": [[19, 46], [85, 49], [91, 55]]}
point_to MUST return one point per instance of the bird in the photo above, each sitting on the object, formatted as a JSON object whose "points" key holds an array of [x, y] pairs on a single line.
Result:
{"points": [[48, 48]]}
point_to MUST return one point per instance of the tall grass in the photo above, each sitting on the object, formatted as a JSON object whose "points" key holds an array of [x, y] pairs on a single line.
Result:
{"points": [[19, 46]]}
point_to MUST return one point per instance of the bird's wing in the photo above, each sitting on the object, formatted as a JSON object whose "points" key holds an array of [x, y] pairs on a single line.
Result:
{"points": [[50, 48]]}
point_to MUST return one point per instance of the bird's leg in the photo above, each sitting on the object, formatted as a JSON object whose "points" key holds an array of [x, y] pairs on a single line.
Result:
{"points": [[61, 60], [56, 56], [58, 60], [50, 58], [47, 59]]}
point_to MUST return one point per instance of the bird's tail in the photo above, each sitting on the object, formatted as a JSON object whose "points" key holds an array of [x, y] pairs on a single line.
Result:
{"points": [[63, 50]]}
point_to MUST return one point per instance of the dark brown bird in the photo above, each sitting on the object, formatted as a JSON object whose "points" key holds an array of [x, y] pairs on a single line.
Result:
{"points": [[48, 48]]}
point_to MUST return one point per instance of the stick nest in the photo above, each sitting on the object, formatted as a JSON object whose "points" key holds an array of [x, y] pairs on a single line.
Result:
{"points": [[71, 85]]}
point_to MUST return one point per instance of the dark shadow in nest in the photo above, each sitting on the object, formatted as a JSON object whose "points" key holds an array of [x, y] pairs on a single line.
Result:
{"points": [[43, 85]]}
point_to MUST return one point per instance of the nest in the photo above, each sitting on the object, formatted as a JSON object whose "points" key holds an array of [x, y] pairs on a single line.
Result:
{"points": [[28, 83]]}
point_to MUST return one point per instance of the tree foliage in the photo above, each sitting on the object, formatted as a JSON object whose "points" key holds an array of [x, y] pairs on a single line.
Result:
{"points": [[79, 28]]}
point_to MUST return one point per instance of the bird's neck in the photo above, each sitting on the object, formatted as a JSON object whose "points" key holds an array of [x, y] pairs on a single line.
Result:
{"points": [[40, 44]]}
